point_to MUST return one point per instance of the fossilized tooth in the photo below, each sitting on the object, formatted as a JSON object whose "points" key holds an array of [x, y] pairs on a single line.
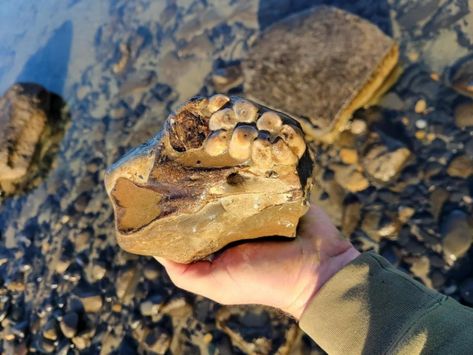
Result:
{"points": [[320, 66], [216, 102], [245, 111], [223, 119], [294, 139], [184, 195], [241, 142], [282, 153], [270, 121], [217, 143], [261, 153]]}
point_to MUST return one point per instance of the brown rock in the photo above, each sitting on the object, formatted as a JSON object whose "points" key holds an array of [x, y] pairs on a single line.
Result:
{"points": [[323, 64], [351, 217], [384, 165], [92, 304], [22, 122], [213, 176], [464, 115], [461, 166], [350, 178], [348, 156]]}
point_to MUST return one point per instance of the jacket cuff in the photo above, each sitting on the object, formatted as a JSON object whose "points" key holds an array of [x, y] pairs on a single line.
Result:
{"points": [[366, 307]]}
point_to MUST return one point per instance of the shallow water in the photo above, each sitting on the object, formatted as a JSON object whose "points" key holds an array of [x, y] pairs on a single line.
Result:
{"points": [[121, 67]]}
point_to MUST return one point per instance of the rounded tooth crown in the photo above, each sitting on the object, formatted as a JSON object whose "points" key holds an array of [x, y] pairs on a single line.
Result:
{"points": [[217, 143], [241, 141], [282, 153], [269, 121], [245, 111], [216, 102], [223, 119], [294, 139], [261, 153]]}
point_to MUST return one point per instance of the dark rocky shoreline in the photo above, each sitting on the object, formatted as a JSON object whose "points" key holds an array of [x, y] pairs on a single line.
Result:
{"points": [[66, 287]]}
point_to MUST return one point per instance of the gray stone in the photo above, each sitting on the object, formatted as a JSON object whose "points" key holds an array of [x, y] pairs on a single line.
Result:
{"points": [[461, 166], [464, 115], [457, 233]]}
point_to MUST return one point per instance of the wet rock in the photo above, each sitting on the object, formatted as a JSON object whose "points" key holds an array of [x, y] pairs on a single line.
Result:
{"points": [[461, 166], [81, 341], [350, 178], [384, 165], [50, 330], [69, 324], [348, 156], [98, 271], [464, 115], [92, 303], [151, 306], [457, 234], [460, 76], [125, 283], [351, 217], [157, 341], [378, 225], [420, 107], [151, 270], [228, 164], [420, 267], [328, 194], [23, 119], [438, 197], [253, 331]]}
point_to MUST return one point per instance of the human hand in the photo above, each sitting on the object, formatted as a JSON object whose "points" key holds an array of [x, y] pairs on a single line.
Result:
{"points": [[281, 274]]}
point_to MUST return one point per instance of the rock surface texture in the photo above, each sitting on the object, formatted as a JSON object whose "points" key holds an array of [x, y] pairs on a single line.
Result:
{"points": [[223, 169], [22, 122], [321, 65], [28, 119]]}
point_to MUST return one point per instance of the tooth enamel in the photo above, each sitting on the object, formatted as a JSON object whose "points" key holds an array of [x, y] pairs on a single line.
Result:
{"points": [[216, 102], [261, 153], [282, 153], [294, 139], [241, 141], [245, 111], [223, 119], [217, 143], [269, 121]]}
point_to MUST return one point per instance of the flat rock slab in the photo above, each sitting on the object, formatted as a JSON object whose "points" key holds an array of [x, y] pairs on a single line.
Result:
{"points": [[223, 169], [320, 65]]}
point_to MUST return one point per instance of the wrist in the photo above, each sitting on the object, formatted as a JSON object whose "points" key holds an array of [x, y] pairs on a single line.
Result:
{"points": [[322, 274]]}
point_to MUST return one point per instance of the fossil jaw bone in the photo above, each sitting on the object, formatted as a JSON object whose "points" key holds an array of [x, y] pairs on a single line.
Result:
{"points": [[193, 189]]}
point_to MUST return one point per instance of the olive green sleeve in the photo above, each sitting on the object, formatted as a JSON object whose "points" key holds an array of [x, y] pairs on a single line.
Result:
{"points": [[370, 307]]}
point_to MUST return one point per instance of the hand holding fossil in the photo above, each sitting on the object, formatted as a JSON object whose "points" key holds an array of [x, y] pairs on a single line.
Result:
{"points": [[281, 274]]}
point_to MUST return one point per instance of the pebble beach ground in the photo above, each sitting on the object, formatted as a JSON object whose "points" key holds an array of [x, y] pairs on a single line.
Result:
{"points": [[399, 181]]}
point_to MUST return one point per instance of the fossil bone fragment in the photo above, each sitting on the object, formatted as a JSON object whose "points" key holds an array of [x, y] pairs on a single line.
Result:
{"points": [[211, 177]]}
